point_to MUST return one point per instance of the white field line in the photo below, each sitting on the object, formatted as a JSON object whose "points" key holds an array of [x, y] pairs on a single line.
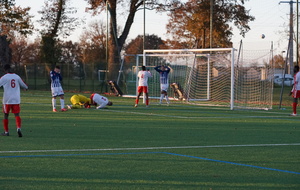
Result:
{"points": [[150, 114], [274, 114], [278, 115], [200, 117], [151, 148]]}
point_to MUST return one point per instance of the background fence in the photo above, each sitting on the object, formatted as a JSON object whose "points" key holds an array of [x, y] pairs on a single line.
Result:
{"points": [[79, 78], [254, 77]]}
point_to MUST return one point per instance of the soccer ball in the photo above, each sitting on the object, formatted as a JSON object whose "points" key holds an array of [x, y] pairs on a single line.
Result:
{"points": [[263, 36]]}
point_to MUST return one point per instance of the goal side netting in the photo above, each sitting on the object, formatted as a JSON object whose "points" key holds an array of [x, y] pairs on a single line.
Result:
{"points": [[213, 77]]}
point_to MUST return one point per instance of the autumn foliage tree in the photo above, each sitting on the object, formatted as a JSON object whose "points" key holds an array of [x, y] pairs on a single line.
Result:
{"points": [[19, 46], [93, 45], [24, 52], [278, 62], [135, 46], [13, 19], [189, 23]]}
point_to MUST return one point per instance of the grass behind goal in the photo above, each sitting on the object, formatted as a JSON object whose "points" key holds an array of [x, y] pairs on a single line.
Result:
{"points": [[176, 147]]}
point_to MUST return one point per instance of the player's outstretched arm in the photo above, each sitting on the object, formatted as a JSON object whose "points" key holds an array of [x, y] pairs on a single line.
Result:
{"points": [[22, 84]]}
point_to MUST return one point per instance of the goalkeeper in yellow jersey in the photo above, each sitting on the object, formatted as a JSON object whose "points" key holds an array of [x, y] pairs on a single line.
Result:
{"points": [[79, 101]]}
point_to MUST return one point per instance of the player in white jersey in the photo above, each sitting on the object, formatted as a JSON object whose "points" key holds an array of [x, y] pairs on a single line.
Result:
{"points": [[100, 101], [143, 85], [56, 89], [296, 90], [11, 83]]}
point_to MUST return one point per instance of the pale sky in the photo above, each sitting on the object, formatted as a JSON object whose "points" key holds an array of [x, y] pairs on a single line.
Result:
{"points": [[271, 17]]}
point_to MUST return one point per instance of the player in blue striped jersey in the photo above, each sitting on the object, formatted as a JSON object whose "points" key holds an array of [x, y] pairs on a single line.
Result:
{"points": [[164, 82], [56, 89]]}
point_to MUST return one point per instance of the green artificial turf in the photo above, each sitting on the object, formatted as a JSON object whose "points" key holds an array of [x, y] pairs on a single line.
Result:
{"points": [[180, 146]]}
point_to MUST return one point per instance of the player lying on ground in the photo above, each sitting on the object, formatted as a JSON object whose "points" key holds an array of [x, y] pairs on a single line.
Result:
{"points": [[100, 101], [79, 101]]}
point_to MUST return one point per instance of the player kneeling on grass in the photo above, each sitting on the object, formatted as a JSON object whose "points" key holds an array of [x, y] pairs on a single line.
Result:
{"points": [[79, 101], [100, 101], [11, 83]]}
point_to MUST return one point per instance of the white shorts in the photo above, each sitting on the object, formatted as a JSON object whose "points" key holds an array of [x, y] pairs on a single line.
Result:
{"points": [[164, 87], [57, 91]]}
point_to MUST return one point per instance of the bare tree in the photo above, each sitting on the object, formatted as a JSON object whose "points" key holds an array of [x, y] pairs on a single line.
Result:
{"points": [[56, 20], [128, 9]]}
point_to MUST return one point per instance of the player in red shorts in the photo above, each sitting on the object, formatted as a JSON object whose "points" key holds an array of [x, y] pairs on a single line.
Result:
{"points": [[143, 85], [11, 83], [296, 90]]}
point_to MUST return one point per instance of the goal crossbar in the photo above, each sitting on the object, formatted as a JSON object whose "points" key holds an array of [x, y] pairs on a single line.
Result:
{"points": [[187, 50]]}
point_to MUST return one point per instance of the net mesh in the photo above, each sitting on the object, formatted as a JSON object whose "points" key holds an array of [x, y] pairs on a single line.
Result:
{"points": [[205, 77], [254, 80]]}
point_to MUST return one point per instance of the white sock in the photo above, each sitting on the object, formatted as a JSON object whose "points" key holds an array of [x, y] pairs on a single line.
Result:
{"points": [[53, 103], [161, 98], [167, 98], [62, 103]]}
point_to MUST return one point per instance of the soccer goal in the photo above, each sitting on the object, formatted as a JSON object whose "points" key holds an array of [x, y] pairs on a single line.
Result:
{"points": [[209, 77]]}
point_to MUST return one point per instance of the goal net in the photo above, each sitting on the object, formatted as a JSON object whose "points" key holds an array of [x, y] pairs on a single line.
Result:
{"points": [[206, 77]]}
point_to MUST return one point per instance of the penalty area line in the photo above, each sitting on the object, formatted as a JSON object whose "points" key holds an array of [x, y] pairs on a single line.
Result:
{"points": [[150, 148], [167, 153], [233, 163]]}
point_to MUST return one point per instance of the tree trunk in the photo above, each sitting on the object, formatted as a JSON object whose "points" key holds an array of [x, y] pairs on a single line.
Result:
{"points": [[5, 51], [113, 62], [113, 58], [116, 44], [49, 52]]}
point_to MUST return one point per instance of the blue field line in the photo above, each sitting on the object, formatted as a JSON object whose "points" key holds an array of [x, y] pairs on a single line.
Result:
{"points": [[226, 162], [132, 153]]}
